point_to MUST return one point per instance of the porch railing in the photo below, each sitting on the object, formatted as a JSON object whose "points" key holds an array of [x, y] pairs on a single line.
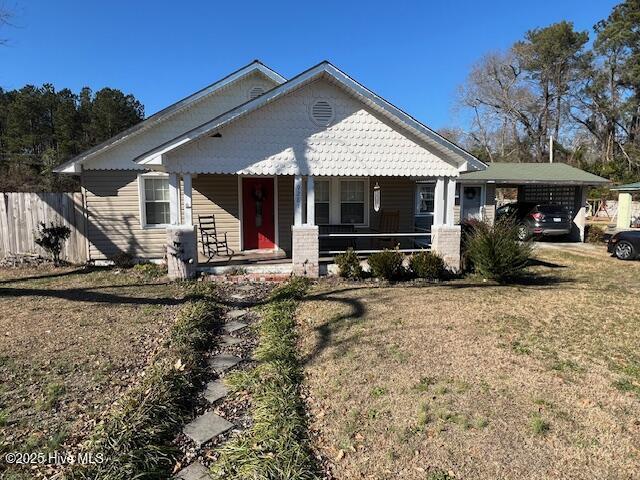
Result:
{"points": [[415, 235]]}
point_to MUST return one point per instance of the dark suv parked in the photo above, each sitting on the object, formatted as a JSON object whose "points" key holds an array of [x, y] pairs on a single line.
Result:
{"points": [[539, 220]]}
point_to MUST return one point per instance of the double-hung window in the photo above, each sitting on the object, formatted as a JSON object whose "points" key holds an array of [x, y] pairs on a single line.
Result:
{"points": [[352, 202], [155, 190], [424, 208], [322, 201]]}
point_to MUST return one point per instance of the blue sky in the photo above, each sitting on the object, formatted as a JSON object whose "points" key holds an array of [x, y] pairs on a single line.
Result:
{"points": [[415, 54]]}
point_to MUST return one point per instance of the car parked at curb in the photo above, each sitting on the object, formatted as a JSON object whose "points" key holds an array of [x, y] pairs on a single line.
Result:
{"points": [[537, 220], [625, 245]]}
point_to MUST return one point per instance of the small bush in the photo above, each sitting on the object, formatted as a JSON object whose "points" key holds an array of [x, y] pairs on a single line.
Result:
{"points": [[348, 264], [122, 260], [51, 238], [150, 270], [595, 234], [427, 265], [495, 252], [387, 264]]}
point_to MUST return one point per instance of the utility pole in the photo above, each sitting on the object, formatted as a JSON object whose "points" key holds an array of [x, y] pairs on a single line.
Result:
{"points": [[551, 149]]}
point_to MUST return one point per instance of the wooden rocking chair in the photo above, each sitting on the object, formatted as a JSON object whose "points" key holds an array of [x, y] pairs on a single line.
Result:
{"points": [[213, 243], [389, 223]]}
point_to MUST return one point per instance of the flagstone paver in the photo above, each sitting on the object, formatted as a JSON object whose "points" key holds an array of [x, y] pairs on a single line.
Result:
{"points": [[195, 471], [223, 361], [234, 326], [235, 314], [215, 391], [206, 427], [229, 341]]}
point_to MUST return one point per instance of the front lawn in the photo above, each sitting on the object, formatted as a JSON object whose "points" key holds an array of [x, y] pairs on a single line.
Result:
{"points": [[474, 380], [72, 341]]}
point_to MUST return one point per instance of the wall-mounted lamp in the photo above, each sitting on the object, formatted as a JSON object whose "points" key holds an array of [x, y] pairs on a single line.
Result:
{"points": [[376, 198]]}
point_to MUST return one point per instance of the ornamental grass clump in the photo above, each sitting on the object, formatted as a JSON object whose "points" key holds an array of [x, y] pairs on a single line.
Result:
{"points": [[495, 252]]}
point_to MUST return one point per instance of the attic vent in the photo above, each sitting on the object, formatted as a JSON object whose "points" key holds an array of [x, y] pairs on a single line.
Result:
{"points": [[255, 92], [322, 113]]}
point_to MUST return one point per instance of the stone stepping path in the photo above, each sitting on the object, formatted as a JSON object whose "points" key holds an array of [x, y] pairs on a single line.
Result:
{"points": [[215, 391], [229, 341], [224, 361], [195, 471], [234, 326], [236, 314], [205, 427]]}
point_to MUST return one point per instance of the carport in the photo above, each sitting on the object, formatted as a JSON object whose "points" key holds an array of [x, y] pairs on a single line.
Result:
{"points": [[625, 204], [549, 183]]}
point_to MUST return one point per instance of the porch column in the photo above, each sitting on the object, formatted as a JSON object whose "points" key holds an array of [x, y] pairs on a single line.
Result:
{"points": [[311, 201], [304, 238], [451, 201], [297, 200], [187, 218], [439, 202], [174, 199]]}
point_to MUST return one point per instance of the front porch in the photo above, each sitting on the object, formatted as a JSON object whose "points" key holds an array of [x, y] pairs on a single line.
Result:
{"points": [[299, 223]]}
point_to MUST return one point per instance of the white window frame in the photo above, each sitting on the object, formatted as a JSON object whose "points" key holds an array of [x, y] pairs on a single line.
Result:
{"points": [[335, 199], [143, 202], [318, 180], [415, 199]]}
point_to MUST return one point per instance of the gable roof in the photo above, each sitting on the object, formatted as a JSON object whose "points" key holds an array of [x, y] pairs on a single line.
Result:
{"points": [[72, 165], [523, 173], [461, 156]]}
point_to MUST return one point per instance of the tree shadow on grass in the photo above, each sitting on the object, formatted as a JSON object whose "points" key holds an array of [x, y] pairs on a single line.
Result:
{"points": [[93, 294], [77, 271], [327, 330]]}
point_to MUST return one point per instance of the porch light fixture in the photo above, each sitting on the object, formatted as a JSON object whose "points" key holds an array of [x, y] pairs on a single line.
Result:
{"points": [[376, 198]]}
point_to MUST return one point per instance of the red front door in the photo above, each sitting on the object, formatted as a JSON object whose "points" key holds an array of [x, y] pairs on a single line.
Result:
{"points": [[258, 225]]}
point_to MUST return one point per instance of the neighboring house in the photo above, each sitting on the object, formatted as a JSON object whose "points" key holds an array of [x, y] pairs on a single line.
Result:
{"points": [[297, 168]]}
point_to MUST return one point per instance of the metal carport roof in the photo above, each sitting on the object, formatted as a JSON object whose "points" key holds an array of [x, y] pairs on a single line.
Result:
{"points": [[533, 173]]}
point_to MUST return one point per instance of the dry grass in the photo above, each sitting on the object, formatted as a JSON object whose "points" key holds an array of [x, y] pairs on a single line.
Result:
{"points": [[481, 381], [72, 341]]}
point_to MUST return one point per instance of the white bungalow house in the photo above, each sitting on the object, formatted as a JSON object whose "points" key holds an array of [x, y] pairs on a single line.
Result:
{"points": [[294, 170]]}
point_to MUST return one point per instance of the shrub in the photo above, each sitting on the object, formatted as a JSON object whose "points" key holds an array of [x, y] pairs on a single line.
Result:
{"points": [[348, 264], [595, 234], [495, 252], [122, 260], [51, 238], [150, 270], [427, 265], [387, 264]]}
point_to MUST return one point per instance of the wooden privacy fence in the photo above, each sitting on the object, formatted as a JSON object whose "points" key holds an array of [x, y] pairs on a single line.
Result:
{"points": [[21, 213]]}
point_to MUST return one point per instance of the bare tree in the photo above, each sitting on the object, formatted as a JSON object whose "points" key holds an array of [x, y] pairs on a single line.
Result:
{"points": [[5, 17]]}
